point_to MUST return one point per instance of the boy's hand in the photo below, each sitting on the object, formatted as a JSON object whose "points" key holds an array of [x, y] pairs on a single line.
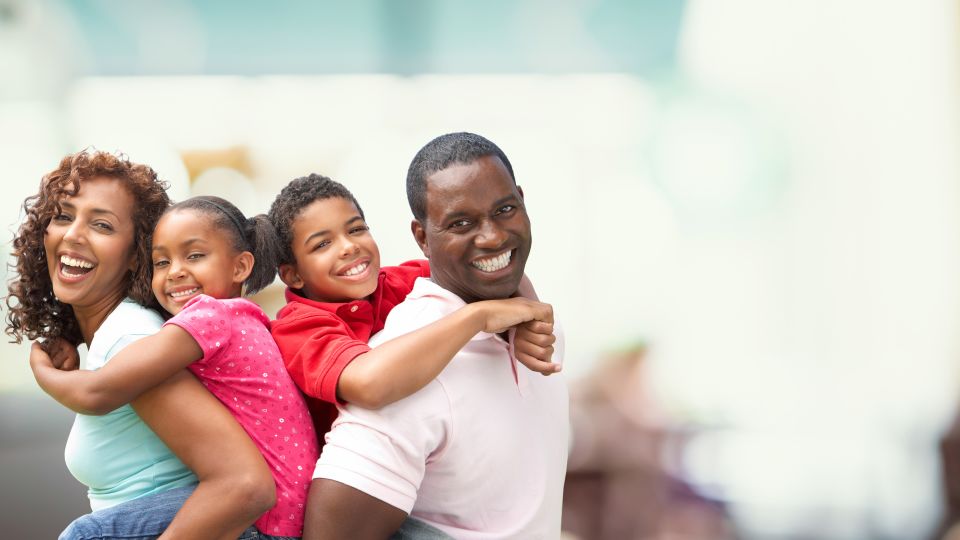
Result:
{"points": [[63, 355], [533, 347], [501, 315]]}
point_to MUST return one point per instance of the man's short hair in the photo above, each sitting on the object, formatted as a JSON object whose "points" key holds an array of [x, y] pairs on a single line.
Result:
{"points": [[440, 153]]}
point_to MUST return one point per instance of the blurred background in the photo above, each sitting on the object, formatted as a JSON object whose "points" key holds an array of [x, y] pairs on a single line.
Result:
{"points": [[745, 214]]}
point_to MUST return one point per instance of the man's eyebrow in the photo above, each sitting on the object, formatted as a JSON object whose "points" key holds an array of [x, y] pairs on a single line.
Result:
{"points": [[508, 198]]}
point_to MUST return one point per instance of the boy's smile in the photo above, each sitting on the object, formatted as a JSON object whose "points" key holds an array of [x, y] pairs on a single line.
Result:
{"points": [[335, 256]]}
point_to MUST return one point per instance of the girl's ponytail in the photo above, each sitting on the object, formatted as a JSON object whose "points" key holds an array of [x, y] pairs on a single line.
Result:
{"points": [[263, 242]]}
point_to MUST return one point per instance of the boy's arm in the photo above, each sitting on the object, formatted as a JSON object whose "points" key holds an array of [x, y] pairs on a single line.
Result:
{"points": [[403, 365], [140, 366]]}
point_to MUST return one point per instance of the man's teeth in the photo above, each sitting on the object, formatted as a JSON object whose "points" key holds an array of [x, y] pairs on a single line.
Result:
{"points": [[494, 263], [356, 269], [78, 263], [181, 294]]}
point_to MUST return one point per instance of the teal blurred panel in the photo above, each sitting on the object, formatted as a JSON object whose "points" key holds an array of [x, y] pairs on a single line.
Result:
{"points": [[384, 36]]}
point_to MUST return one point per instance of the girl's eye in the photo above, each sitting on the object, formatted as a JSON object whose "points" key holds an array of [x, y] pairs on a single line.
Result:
{"points": [[160, 263], [194, 256]]}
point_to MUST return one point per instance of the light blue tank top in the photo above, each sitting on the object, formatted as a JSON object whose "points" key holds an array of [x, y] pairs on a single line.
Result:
{"points": [[116, 455]]}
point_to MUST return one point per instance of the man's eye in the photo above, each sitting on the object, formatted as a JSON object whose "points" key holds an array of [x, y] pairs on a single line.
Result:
{"points": [[506, 208], [459, 224]]}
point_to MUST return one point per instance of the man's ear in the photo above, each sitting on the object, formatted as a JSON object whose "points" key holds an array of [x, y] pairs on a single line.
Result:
{"points": [[520, 190], [290, 277], [242, 266], [420, 235]]}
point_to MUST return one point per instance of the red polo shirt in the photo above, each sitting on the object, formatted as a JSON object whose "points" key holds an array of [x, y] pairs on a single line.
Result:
{"points": [[318, 339]]}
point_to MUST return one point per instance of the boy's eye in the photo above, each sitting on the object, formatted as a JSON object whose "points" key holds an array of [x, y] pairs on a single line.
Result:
{"points": [[321, 244], [359, 229]]}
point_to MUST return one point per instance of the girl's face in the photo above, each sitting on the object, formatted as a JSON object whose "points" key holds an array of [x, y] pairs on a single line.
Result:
{"points": [[89, 245], [192, 256]]}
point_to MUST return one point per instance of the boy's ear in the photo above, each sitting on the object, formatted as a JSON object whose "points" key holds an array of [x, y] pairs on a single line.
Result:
{"points": [[242, 266], [420, 235], [290, 277]]}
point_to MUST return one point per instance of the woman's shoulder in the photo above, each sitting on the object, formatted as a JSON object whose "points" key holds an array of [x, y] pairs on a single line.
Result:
{"points": [[127, 322]]}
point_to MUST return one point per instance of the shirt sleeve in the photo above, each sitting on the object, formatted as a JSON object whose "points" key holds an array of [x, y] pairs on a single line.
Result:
{"points": [[316, 348], [208, 322], [384, 452]]}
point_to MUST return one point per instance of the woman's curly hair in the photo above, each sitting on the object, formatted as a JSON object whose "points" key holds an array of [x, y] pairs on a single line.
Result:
{"points": [[33, 310]]}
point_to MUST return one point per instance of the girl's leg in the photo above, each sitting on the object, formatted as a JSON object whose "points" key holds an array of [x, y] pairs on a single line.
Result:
{"points": [[144, 518]]}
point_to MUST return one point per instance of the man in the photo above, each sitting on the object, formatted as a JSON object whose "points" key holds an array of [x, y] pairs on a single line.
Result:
{"points": [[481, 451]]}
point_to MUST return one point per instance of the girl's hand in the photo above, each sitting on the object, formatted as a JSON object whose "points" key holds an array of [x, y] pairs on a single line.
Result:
{"points": [[533, 347], [39, 359], [63, 355]]}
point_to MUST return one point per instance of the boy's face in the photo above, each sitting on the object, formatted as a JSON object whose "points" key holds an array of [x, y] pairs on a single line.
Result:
{"points": [[335, 256]]}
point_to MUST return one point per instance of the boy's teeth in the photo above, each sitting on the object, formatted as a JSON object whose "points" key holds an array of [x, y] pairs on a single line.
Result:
{"points": [[181, 294], [494, 263], [70, 261], [356, 269]]}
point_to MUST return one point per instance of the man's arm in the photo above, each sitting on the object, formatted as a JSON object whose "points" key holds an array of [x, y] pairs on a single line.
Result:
{"points": [[336, 511]]}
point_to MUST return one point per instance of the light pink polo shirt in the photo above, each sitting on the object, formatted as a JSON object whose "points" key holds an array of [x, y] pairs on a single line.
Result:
{"points": [[480, 452]]}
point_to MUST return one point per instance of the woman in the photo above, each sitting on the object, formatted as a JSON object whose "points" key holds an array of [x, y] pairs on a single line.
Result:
{"points": [[83, 274]]}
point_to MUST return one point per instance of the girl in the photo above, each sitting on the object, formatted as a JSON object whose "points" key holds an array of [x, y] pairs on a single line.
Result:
{"points": [[205, 252]]}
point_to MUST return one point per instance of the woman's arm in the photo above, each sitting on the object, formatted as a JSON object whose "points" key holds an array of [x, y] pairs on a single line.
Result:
{"points": [[403, 365], [236, 486], [140, 366]]}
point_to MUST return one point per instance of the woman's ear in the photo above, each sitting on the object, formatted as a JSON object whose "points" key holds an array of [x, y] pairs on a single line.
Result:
{"points": [[290, 277], [242, 266]]}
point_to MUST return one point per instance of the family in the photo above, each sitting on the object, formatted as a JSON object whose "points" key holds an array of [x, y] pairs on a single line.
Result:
{"points": [[383, 402]]}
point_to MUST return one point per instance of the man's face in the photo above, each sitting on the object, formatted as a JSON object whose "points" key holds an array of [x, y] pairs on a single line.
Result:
{"points": [[476, 232]]}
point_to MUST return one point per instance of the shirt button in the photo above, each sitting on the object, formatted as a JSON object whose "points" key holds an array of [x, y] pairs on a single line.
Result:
{"points": [[353, 308]]}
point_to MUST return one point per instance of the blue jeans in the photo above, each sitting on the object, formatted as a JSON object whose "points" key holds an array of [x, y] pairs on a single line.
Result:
{"points": [[144, 518], [414, 529]]}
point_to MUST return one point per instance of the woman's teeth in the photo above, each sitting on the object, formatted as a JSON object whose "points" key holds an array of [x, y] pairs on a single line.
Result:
{"points": [[74, 267], [356, 269], [181, 294], [494, 263]]}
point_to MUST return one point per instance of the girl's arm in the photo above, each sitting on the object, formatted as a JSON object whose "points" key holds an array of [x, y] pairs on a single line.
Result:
{"points": [[236, 486], [403, 365], [140, 366]]}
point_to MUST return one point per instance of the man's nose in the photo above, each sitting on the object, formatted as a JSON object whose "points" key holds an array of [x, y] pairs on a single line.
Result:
{"points": [[490, 235]]}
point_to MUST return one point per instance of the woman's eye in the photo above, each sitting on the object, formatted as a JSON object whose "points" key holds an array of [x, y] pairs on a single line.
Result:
{"points": [[103, 226], [61, 217]]}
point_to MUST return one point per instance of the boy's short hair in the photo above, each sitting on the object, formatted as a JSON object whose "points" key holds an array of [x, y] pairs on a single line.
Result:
{"points": [[442, 152], [293, 198]]}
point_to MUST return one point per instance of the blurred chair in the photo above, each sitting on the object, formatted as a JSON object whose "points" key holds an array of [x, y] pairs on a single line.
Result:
{"points": [[619, 485]]}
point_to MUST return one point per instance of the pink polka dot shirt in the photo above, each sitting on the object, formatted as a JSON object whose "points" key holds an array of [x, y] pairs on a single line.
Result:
{"points": [[242, 367]]}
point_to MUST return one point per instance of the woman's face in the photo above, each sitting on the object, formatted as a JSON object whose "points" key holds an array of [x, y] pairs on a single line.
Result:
{"points": [[90, 244]]}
